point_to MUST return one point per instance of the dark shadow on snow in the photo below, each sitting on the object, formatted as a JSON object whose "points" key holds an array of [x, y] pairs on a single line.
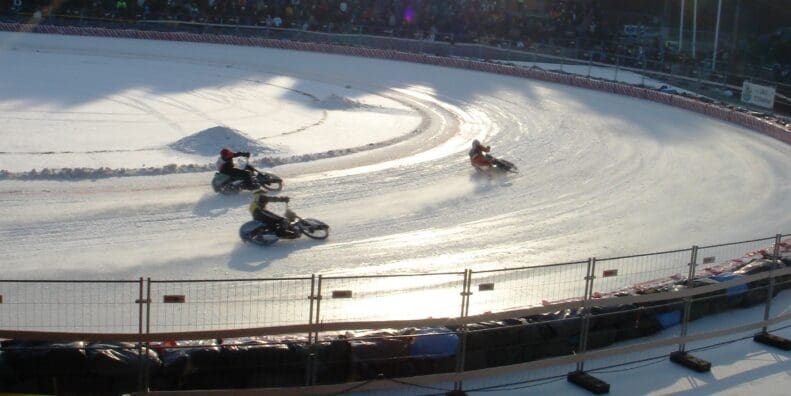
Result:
{"points": [[251, 258], [214, 205], [484, 183]]}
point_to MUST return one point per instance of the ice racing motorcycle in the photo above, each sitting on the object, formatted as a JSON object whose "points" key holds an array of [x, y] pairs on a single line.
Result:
{"points": [[261, 233], [498, 166], [227, 185]]}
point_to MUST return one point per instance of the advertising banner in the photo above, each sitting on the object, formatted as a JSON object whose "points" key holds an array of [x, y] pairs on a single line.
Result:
{"points": [[759, 95]]}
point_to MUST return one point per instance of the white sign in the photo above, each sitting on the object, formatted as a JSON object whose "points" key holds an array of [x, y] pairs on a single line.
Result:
{"points": [[759, 95]]}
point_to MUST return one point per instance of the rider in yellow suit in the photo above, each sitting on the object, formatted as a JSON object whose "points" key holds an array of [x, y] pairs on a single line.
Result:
{"points": [[280, 224]]}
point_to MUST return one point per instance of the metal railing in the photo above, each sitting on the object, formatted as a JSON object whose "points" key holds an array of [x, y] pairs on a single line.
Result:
{"points": [[535, 317]]}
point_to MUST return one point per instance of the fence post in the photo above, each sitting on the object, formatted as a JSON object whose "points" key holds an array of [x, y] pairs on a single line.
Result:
{"points": [[309, 371], [590, 63], [147, 375], [589, 276], [318, 307], [140, 302], [462, 330], [617, 65], [311, 298], [770, 291], [693, 263]]}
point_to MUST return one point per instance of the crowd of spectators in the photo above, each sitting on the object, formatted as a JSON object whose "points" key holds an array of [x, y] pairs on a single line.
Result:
{"points": [[516, 21], [592, 27]]}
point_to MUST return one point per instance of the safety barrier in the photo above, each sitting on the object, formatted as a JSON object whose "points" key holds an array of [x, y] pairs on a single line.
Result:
{"points": [[118, 336]]}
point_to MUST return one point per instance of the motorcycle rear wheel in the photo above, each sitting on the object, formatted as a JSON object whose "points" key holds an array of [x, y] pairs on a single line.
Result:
{"points": [[253, 232], [228, 189]]}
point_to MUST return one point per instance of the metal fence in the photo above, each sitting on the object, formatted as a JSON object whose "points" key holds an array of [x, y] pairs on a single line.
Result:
{"points": [[508, 289], [71, 305], [387, 297], [536, 317], [188, 305]]}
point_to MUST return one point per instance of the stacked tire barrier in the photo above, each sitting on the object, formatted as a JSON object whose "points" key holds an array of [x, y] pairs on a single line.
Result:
{"points": [[758, 122]]}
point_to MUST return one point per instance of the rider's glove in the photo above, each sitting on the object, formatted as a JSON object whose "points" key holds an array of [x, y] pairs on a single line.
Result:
{"points": [[246, 154]]}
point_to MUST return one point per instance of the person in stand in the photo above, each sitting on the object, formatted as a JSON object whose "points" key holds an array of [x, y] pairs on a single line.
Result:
{"points": [[225, 166], [281, 224], [478, 158]]}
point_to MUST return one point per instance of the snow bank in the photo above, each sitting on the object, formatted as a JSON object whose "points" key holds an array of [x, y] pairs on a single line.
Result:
{"points": [[208, 142], [337, 102]]}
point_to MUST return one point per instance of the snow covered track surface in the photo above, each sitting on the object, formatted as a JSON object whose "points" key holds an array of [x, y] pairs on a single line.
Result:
{"points": [[377, 149]]}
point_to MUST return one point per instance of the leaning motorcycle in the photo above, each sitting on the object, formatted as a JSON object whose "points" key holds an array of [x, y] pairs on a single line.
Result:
{"points": [[499, 165], [260, 233], [228, 185]]}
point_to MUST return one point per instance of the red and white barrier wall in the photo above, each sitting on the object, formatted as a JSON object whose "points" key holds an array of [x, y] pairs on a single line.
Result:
{"points": [[766, 127]]}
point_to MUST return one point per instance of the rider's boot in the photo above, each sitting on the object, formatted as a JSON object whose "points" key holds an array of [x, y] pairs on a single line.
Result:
{"points": [[284, 230]]}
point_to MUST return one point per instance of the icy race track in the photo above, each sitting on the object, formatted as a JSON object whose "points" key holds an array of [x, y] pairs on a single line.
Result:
{"points": [[601, 175]]}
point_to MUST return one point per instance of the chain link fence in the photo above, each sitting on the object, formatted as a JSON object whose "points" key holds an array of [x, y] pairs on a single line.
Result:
{"points": [[227, 304], [71, 305], [594, 314], [383, 297]]}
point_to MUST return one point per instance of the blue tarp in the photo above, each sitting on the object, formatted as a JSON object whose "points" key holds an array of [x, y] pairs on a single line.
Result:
{"points": [[669, 319], [731, 291], [434, 343]]}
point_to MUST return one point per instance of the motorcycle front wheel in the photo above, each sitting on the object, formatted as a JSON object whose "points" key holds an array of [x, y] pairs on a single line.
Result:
{"points": [[270, 181], [314, 229], [506, 165]]}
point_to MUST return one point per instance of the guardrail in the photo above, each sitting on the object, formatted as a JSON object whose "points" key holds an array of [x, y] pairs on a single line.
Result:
{"points": [[323, 330]]}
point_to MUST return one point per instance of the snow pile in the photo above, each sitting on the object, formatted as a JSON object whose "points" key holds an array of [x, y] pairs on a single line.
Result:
{"points": [[104, 172], [210, 141], [336, 102]]}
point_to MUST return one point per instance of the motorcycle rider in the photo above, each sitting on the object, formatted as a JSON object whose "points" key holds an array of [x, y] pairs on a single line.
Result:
{"points": [[478, 159], [225, 166], [281, 225]]}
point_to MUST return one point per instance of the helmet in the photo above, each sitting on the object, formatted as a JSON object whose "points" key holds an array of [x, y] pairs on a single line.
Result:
{"points": [[476, 143], [226, 153]]}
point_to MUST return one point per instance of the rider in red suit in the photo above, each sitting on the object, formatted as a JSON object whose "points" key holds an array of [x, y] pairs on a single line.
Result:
{"points": [[225, 166], [477, 157]]}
